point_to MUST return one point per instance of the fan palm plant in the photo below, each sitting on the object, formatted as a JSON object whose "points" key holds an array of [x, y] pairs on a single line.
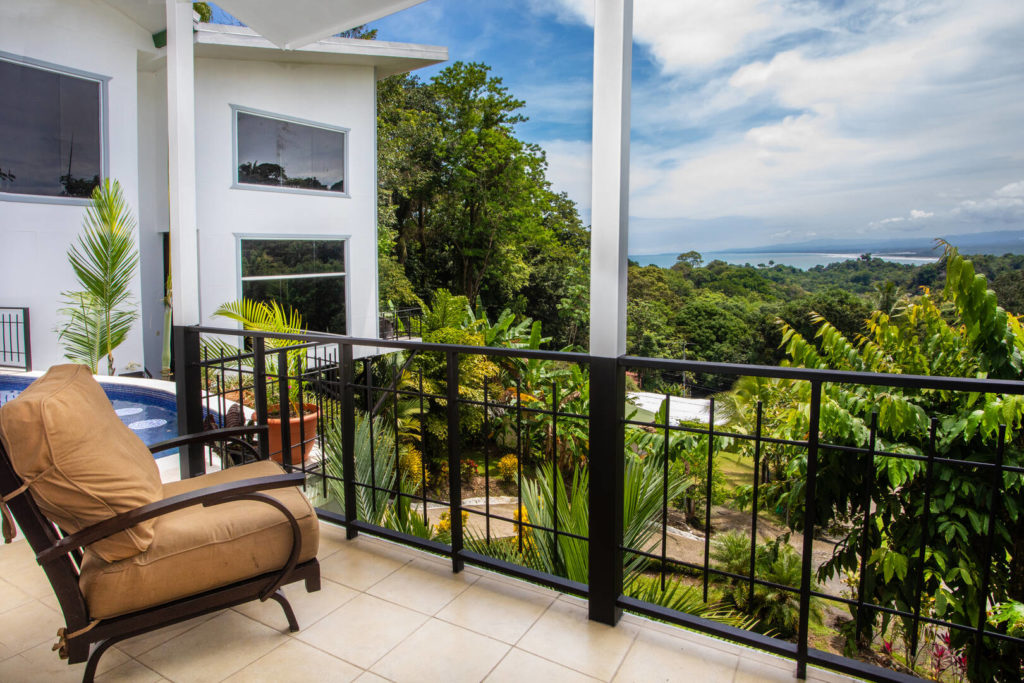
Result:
{"points": [[269, 316], [104, 260]]}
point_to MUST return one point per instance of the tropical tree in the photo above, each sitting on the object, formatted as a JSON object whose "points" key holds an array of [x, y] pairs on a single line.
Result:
{"points": [[104, 259], [962, 333]]}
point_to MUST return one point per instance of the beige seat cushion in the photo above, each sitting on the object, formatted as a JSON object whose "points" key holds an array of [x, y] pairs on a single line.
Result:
{"points": [[200, 548], [83, 464]]}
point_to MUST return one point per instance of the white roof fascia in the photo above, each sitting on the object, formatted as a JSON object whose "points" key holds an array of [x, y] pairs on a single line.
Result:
{"points": [[218, 41], [295, 23]]}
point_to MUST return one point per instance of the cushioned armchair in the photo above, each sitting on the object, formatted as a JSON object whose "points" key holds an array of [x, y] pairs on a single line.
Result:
{"points": [[124, 553]]}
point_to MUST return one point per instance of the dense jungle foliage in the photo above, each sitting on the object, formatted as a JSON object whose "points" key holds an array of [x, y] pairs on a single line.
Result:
{"points": [[465, 205]]}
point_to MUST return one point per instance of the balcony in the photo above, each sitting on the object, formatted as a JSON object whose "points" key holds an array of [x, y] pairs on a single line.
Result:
{"points": [[385, 612], [582, 450]]}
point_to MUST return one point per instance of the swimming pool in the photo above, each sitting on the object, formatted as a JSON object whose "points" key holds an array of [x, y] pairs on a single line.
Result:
{"points": [[151, 413]]}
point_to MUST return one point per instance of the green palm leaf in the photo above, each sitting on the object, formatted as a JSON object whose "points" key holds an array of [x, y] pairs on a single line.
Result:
{"points": [[104, 261]]}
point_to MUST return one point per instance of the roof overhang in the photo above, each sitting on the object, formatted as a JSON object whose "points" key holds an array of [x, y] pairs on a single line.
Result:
{"points": [[295, 23], [217, 41]]}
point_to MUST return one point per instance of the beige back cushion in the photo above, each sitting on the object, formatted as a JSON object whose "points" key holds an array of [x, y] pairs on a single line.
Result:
{"points": [[84, 465]]}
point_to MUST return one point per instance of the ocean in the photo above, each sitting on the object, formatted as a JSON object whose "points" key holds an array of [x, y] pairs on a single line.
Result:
{"points": [[801, 260]]}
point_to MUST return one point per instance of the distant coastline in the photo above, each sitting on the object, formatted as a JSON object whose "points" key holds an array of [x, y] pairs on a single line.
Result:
{"points": [[796, 259], [805, 255]]}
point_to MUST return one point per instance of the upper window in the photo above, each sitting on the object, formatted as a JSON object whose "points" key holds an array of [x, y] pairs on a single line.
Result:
{"points": [[305, 274], [287, 154], [51, 131]]}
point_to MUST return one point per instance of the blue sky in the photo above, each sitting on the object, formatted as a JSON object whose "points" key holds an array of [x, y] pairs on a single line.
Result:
{"points": [[772, 121]]}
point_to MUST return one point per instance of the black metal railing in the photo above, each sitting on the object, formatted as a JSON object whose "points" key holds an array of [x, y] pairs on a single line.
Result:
{"points": [[401, 323], [578, 447], [15, 339]]}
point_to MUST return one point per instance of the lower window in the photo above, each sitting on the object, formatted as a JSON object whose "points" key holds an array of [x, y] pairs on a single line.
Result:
{"points": [[307, 275]]}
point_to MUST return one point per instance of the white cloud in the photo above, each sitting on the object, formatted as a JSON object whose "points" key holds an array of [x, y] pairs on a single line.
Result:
{"points": [[1013, 190], [803, 116], [1005, 205], [569, 164], [696, 34]]}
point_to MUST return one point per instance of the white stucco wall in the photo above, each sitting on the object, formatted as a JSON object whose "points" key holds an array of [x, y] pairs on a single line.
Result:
{"points": [[340, 96], [86, 36], [153, 209]]}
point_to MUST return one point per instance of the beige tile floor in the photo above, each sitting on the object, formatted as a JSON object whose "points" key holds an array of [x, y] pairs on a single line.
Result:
{"points": [[385, 613]]}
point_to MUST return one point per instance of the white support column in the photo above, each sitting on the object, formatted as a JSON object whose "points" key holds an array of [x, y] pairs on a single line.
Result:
{"points": [[609, 231], [181, 163]]}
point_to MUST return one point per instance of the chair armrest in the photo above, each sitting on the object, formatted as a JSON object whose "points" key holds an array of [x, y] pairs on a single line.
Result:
{"points": [[230, 433], [211, 495]]}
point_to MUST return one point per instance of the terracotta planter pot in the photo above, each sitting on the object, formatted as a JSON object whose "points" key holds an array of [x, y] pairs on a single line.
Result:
{"points": [[302, 432]]}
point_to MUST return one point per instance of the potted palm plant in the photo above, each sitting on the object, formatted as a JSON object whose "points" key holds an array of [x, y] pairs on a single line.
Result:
{"points": [[303, 418]]}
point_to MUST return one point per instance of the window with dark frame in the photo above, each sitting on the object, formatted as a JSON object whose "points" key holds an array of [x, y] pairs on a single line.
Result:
{"points": [[282, 153], [305, 274], [51, 137]]}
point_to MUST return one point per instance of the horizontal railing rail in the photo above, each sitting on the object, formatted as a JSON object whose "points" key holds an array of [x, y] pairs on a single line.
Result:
{"points": [[15, 338], [405, 439]]}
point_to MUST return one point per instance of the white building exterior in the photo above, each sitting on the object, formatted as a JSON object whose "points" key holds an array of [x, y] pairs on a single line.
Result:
{"points": [[330, 84]]}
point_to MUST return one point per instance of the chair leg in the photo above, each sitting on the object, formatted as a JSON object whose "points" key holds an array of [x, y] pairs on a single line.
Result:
{"points": [[278, 597], [94, 659]]}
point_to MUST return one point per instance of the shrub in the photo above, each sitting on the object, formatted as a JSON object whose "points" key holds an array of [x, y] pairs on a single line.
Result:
{"points": [[777, 611], [411, 464], [467, 470], [444, 525], [508, 468]]}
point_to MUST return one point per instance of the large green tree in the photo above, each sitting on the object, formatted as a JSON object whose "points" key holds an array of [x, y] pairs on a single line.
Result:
{"points": [[466, 205]]}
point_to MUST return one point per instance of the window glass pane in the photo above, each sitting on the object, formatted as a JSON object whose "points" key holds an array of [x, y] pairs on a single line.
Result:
{"points": [[320, 300], [289, 154], [50, 141], [292, 257]]}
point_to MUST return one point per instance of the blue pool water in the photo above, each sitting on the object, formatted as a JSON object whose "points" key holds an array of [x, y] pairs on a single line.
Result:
{"points": [[151, 413]]}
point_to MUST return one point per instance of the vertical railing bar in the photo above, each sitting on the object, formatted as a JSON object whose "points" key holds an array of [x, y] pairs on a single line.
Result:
{"points": [[519, 461], [555, 474], [221, 389], [204, 401], [348, 439], [241, 394], [27, 335], [864, 545], [926, 509], [753, 506], [6, 325], [454, 461], [302, 414], [394, 394], [998, 485], [707, 502], [487, 468], [259, 390], [664, 491], [810, 501], [330, 420], [368, 394], [423, 454], [284, 409], [607, 459]]}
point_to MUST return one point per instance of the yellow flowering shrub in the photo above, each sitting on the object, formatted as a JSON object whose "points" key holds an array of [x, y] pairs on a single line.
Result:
{"points": [[508, 467]]}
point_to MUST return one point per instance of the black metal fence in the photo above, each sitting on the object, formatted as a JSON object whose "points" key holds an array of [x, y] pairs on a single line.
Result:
{"points": [[15, 339], [578, 446]]}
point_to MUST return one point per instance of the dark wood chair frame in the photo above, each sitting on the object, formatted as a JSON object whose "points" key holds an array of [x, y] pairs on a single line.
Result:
{"points": [[60, 556]]}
